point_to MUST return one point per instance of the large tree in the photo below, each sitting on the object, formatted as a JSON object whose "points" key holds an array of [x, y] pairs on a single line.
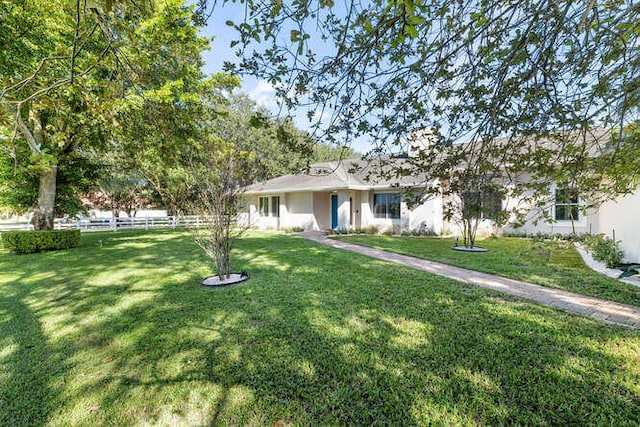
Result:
{"points": [[508, 88], [278, 147], [71, 66]]}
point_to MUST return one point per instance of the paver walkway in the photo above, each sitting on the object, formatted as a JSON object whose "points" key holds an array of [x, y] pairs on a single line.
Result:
{"points": [[596, 308]]}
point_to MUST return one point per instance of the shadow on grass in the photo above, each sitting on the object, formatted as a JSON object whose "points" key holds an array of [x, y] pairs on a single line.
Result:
{"points": [[317, 335], [28, 364]]}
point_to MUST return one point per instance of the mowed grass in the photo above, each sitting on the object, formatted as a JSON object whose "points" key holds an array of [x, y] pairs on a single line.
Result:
{"points": [[124, 334], [556, 264]]}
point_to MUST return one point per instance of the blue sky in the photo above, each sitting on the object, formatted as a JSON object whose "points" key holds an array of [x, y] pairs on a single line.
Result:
{"points": [[221, 52]]}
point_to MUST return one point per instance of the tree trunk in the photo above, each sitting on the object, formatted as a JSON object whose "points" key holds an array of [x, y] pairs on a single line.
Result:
{"points": [[43, 213]]}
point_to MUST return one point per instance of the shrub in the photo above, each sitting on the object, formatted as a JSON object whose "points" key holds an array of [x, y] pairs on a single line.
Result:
{"points": [[605, 249], [520, 234], [540, 236], [425, 232], [26, 242], [338, 231], [372, 229], [289, 230]]}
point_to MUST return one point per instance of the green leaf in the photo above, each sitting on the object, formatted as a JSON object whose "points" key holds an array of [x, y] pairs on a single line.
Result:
{"points": [[411, 31]]}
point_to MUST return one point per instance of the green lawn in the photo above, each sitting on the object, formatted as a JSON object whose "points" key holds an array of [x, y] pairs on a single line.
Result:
{"points": [[553, 263], [124, 334]]}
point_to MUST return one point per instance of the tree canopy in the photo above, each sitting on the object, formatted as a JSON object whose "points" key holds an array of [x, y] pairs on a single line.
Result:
{"points": [[515, 95], [481, 67], [71, 68]]}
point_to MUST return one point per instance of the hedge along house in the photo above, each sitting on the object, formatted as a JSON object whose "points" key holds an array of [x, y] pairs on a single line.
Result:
{"points": [[341, 194]]}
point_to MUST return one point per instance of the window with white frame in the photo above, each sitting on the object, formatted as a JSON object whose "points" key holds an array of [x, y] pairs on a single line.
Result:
{"points": [[567, 206], [263, 206], [386, 205]]}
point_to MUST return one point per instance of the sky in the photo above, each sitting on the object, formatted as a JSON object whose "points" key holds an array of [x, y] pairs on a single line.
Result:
{"points": [[261, 91]]}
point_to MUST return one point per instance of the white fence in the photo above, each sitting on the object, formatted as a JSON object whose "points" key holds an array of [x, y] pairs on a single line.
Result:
{"points": [[87, 224]]}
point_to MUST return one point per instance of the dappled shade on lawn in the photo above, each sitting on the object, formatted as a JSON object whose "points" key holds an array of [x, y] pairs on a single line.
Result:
{"points": [[125, 334]]}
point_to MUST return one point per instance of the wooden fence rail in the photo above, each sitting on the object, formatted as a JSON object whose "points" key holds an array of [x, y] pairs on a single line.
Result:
{"points": [[90, 224]]}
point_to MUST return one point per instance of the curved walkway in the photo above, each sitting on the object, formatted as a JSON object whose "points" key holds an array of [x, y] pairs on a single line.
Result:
{"points": [[595, 308]]}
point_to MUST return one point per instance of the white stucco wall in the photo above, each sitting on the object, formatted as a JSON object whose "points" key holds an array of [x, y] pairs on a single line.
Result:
{"points": [[535, 221], [344, 210], [366, 211], [253, 217], [300, 211], [356, 208], [427, 216], [322, 209], [424, 216], [368, 216], [623, 216]]}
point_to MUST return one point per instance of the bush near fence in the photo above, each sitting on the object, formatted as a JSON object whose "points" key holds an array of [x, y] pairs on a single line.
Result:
{"points": [[26, 242]]}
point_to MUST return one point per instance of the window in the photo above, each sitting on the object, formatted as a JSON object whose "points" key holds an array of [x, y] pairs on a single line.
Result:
{"points": [[386, 205], [491, 205], [263, 208], [567, 205], [479, 205], [275, 206]]}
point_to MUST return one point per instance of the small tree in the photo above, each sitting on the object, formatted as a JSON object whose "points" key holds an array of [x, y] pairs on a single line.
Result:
{"points": [[471, 201], [466, 210], [217, 186]]}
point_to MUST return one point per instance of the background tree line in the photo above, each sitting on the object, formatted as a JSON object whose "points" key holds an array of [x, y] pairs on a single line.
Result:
{"points": [[101, 101]]}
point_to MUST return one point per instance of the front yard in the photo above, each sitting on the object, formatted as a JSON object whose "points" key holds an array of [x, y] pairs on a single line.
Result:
{"points": [[551, 263], [123, 333]]}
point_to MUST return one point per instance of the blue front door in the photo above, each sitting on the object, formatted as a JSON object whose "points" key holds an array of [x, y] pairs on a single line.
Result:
{"points": [[334, 211]]}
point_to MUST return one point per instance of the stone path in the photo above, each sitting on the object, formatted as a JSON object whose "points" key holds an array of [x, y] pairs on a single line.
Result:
{"points": [[595, 308]]}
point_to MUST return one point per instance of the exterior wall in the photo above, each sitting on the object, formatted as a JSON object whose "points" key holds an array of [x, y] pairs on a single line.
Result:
{"points": [[247, 212], [366, 209], [535, 222], [383, 224], [623, 216], [322, 209], [344, 210], [299, 208], [356, 209], [486, 227], [426, 216], [251, 216]]}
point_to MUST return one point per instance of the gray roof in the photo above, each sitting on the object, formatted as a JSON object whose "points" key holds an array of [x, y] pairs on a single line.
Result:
{"points": [[387, 172], [348, 174]]}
